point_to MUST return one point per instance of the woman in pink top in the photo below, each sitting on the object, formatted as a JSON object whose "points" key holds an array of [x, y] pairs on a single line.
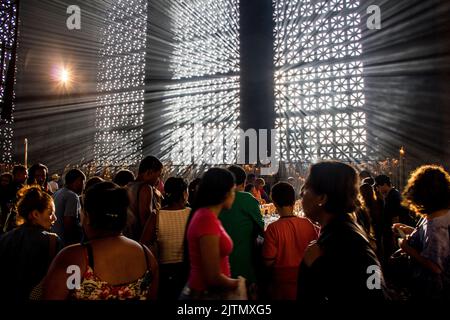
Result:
{"points": [[285, 242], [208, 243]]}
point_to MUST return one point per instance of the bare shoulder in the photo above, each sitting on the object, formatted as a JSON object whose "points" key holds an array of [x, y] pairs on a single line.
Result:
{"points": [[149, 253], [312, 253], [136, 247], [70, 255]]}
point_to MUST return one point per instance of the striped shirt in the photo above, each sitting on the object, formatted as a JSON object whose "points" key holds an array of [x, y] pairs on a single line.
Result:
{"points": [[172, 225]]}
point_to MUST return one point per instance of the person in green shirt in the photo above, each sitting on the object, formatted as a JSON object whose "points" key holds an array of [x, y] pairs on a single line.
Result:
{"points": [[243, 223]]}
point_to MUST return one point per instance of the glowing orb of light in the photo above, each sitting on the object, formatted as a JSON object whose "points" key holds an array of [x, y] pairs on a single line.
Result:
{"points": [[62, 75]]}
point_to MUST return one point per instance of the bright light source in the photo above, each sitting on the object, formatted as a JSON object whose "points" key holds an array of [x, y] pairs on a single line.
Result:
{"points": [[64, 75]]}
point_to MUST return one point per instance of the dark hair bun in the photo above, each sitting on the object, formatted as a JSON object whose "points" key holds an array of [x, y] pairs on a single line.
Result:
{"points": [[174, 189], [106, 205]]}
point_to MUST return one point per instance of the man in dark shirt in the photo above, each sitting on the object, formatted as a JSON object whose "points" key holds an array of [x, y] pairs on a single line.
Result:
{"points": [[393, 212], [8, 221]]}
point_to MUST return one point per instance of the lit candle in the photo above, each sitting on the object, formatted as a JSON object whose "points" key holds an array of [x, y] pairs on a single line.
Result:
{"points": [[26, 153]]}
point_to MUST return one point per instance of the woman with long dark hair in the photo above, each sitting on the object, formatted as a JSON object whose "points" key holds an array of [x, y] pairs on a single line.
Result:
{"points": [[208, 243], [172, 222], [341, 264]]}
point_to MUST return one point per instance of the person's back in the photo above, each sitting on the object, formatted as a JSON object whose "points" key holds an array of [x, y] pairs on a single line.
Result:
{"points": [[171, 230], [392, 205], [243, 223], [67, 204], [145, 202], [173, 270], [134, 229], [114, 269], [25, 255], [172, 221], [285, 242], [112, 266]]}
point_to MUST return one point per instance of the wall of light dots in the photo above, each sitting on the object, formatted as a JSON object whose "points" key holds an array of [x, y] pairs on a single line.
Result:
{"points": [[340, 89], [8, 12], [319, 86], [121, 73], [201, 103]]}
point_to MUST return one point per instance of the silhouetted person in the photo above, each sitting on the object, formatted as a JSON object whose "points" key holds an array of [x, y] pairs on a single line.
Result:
{"points": [[285, 242], [338, 266], [123, 178], [67, 203], [193, 187], [6, 197], [38, 175], [172, 222], [393, 212], [20, 176], [145, 202]]}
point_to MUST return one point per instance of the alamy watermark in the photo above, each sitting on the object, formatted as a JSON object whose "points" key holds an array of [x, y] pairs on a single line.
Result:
{"points": [[373, 281], [73, 22], [375, 277], [211, 146], [74, 279], [374, 21]]}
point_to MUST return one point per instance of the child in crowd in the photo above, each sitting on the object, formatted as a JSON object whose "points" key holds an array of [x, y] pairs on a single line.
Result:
{"points": [[285, 242]]}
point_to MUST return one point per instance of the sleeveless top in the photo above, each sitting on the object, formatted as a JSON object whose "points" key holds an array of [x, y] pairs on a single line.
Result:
{"points": [[136, 225], [171, 230], [93, 288]]}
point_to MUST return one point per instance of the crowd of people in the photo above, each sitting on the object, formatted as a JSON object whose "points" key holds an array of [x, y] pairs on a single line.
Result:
{"points": [[138, 237]]}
